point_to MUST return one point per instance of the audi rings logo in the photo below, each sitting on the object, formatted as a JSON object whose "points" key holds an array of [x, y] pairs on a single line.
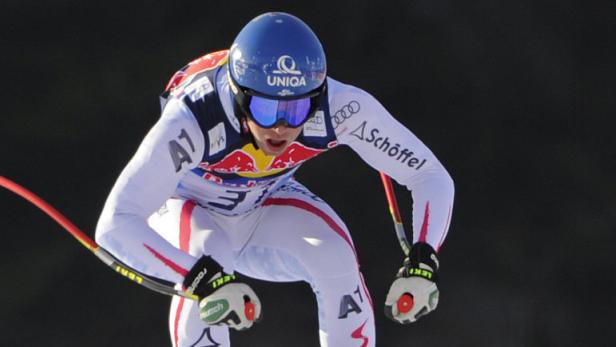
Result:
{"points": [[286, 65], [345, 113], [291, 77]]}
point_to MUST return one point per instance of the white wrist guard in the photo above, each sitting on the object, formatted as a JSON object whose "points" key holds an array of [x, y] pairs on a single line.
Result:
{"points": [[235, 305]]}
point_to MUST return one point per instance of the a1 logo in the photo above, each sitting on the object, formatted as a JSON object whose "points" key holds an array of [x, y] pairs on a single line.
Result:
{"points": [[349, 305]]}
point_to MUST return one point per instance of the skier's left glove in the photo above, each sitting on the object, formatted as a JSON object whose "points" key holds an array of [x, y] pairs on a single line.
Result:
{"points": [[222, 300], [414, 292]]}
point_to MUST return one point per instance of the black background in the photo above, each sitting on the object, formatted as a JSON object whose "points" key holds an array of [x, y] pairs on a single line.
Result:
{"points": [[514, 97]]}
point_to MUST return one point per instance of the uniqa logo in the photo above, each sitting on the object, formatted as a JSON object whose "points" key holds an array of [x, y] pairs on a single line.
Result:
{"points": [[286, 74], [286, 65]]}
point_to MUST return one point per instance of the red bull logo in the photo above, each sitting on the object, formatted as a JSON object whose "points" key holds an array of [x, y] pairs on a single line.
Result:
{"points": [[295, 154], [206, 62], [250, 162], [236, 162]]}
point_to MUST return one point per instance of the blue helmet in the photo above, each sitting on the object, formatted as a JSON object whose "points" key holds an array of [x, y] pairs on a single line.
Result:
{"points": [[277, 57], [277, 54]]}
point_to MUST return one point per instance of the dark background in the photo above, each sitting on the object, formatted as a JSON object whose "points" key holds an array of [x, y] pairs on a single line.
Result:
{"points": [[514, 97]]}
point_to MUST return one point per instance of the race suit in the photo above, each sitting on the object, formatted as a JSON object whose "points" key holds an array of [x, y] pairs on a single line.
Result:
{"points": [[199, 185]]}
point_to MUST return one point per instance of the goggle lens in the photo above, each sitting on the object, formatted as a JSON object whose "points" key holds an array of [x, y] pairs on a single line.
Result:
{"points": [[268, 112]]}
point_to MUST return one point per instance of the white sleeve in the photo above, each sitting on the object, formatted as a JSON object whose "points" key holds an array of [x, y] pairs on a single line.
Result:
{"points": [[388, 146], [171, 148]]}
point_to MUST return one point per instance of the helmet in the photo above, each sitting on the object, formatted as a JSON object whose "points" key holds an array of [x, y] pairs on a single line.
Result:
{"points": [[277, 70]]}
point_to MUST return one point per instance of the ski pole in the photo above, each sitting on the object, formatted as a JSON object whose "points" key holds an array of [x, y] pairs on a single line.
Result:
{"points": [[405, 302], [152, 283]]}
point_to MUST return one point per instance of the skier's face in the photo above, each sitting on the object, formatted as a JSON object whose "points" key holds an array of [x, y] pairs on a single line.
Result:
{"points": [[273, 141]]}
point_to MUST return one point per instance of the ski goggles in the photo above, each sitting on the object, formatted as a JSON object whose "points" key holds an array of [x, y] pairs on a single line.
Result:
{"points": [[268, 112]]}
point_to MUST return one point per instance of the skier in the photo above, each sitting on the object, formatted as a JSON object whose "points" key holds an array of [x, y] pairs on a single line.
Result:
{"points": [[210, 193]]}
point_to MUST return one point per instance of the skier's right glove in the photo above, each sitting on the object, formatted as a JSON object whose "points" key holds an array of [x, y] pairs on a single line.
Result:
{"points": [[222, 300]]}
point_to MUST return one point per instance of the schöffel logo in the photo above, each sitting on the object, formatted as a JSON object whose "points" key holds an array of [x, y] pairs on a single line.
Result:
{"points": [[286, 74], [393, 150]]}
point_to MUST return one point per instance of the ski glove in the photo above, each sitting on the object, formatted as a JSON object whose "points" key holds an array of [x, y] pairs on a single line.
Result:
{"points": [[222, 300], [414, 292]]}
